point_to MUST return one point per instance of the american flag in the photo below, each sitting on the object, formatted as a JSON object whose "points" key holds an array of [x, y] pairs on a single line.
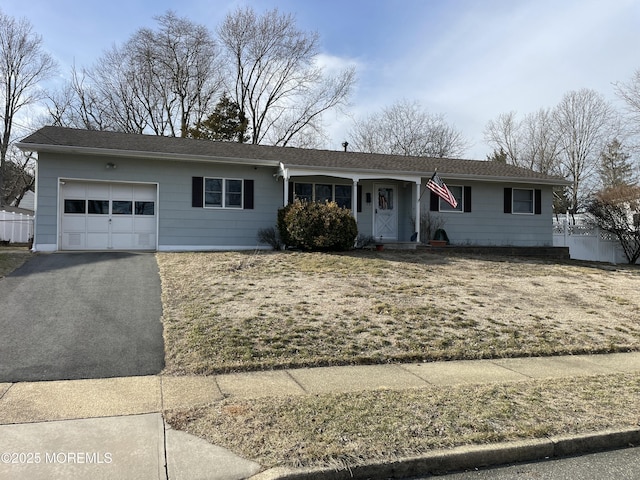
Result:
{"points": [[437, 186]]}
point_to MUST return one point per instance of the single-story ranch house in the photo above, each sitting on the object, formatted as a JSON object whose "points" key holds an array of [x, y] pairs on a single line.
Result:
{"points": [[105, 190]]}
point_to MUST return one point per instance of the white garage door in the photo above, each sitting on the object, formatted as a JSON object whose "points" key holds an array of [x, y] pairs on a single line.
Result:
{"points": [[108, 216]]}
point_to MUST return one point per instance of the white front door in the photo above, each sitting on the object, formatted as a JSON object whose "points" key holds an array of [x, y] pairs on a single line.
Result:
{"points": [[385, 216]]}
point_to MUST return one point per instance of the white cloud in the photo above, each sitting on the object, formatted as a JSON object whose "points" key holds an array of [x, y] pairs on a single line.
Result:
{"points": [[332, 64], [495, 57]]}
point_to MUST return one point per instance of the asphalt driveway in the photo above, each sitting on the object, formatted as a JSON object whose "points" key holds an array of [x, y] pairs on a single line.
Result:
{"points": [[81, 315]]}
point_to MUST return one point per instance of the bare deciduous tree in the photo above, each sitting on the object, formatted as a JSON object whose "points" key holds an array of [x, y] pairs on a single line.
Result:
{"points": [[19, 175], [630, 93], [164, 80], [23, 65], [529, 143], [540, 142], [405, 128], [274, 77], [566, 140], [503, 135], [617, 210], [585, 123]]}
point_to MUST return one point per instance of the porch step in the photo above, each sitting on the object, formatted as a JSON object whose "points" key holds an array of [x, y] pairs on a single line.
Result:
{"points": [[558, 253]]}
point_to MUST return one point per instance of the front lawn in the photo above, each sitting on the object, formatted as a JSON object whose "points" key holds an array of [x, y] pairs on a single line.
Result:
{"points": [[237, 311]]}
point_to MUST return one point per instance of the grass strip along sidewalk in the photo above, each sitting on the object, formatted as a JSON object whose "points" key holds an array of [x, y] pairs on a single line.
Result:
{"points": [[349, 429], [227, 312]]}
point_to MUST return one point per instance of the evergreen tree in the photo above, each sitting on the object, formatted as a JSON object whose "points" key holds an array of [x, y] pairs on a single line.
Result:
{"points": [[615, 166], [226, 123], [499, 156]]}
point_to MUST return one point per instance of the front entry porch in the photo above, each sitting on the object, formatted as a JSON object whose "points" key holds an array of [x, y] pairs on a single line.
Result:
{"points": [[385, 208]]}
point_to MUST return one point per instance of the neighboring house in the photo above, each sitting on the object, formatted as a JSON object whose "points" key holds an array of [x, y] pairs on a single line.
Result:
{"points": [[104, 190], [27, 202]]}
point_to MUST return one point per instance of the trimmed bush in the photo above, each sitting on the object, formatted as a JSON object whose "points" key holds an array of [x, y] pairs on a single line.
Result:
{"points": [[317, 226]]}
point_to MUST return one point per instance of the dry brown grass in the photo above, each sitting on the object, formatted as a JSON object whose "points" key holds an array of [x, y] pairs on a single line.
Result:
{"points": [[10, 260], [348, 429], [240, 311]]}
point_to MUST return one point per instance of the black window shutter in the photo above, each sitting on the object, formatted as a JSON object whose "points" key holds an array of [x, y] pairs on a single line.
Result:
{"points": [[434, 201], [290, 192], [507, 200], [359, 199], [197, 191], [248, 194], [467, 199], [537, 199]]}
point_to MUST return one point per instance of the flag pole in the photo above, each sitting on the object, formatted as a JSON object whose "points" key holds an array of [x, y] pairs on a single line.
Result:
{"points": [[435, 170]]}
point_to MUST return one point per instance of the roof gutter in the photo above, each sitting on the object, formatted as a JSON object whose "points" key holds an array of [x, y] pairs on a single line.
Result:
{"points": [[32, 147], [374, 173]]}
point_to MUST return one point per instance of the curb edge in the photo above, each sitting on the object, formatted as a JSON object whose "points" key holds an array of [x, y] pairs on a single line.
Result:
{"points": [[467, 457]]}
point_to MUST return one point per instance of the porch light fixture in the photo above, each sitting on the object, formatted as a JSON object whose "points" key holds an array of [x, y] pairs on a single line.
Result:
{"points": [[111, 165]]}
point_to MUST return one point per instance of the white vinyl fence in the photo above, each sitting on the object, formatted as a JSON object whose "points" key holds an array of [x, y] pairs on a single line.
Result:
{"points": [[586, 242], [15, 227]]}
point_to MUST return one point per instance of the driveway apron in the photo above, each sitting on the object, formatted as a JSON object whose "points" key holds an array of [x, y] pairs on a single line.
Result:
{"points": [[81, 315]]}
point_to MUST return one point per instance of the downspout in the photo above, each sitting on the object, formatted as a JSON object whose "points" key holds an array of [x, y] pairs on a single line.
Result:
{"points": [[354, 200], [418, 184]]}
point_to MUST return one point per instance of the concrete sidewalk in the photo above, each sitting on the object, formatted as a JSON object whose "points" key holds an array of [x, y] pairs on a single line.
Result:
{"points": [[113, 428]]}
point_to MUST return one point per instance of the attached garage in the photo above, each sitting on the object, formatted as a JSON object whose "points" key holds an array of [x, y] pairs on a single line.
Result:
{"points": [[98, 215]]}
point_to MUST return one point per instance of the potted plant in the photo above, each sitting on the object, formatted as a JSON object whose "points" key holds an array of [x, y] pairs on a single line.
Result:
{"points": [[440, 239]]}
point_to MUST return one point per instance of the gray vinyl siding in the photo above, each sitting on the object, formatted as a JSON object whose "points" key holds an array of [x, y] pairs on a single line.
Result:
{"points": [[179, 224], [488, 225]]}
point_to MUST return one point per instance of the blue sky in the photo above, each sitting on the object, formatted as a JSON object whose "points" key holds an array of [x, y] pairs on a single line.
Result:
{"points": [[467, 59]]}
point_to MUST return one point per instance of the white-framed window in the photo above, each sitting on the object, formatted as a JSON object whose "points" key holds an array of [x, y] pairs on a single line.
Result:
{"points": [[523, 201], [324, 192], [343, 195], [223, 192], [461, 193], [458, 193]]}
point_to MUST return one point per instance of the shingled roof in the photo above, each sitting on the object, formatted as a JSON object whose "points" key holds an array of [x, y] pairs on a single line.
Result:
{"points": [[59, 139]]}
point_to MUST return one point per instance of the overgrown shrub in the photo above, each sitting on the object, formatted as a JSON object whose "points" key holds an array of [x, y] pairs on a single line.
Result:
{"points": [[317, 226], [617, 211]]}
